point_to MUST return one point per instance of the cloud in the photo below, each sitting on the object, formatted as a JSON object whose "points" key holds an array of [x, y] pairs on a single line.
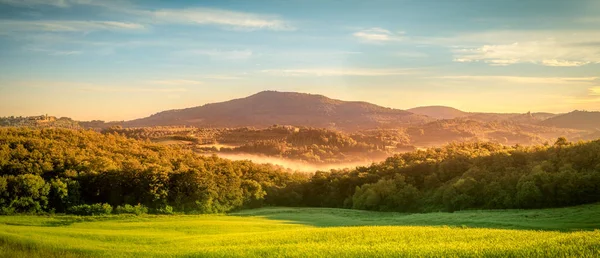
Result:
{"points": [[220, 77], [524, 79], [220, 54], [547, 48], [65, 26], [339, 72], [554, 62], [131, 90], [112, 4], [54, 52], [56, 3], [408, 54], [376, 35], [595, 91], [145, 87], [176, 82], [65, 53], [192, 16], [209, 16]]}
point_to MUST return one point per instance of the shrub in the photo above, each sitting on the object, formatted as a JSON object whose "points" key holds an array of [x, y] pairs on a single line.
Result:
{"points": [[128, 209], [7, 211], [94, 209], [167, 210]]}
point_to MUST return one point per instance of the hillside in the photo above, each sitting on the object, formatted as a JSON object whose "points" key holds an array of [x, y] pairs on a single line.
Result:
{"points": [[442, 112], [438, 112], [507, 131], [270, 107], [583, 120]]}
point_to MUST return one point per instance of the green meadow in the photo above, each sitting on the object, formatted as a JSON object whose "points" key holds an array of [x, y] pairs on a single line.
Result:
{"points": [[309, 232]]}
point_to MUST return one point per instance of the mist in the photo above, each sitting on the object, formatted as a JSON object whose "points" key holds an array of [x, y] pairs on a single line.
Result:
{"points": [[296, 165]]}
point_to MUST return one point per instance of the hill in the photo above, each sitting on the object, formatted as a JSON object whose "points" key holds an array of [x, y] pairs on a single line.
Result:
{"points": [[525, 118], [584, 120], [271, 107], [439, 112]]}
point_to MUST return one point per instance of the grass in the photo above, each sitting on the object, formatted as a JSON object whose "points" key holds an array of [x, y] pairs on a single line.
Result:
{"points": [[309, 232], [584, 217]]}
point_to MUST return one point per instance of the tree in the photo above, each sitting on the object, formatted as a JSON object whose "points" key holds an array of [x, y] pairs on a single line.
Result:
{"points": [[528, 195], [28, 193]]}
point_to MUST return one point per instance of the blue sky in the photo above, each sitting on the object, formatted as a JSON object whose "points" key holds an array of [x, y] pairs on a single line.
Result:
{"points": [[119, 60]]}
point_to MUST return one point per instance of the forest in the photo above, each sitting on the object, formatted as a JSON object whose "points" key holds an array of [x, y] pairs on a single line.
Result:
{"points": [[329, 146], [86, 172]]}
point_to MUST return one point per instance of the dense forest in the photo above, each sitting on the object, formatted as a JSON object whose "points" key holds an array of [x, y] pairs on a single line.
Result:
{"points": [[78, 171], [55, 169], [467, 176]]}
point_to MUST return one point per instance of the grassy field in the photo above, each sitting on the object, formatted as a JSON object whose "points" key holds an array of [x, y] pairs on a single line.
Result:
{"points": [[309, 232]]}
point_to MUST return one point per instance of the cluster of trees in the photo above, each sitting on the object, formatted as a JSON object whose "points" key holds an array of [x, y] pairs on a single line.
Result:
{"points": [[315, 146], [55, 169], [158, 132], [39, 121], [467, 176], [62, 170]]}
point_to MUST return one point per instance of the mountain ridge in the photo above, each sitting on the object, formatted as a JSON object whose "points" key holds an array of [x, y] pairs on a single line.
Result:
{"points": [[267, 108], [292, 108]]}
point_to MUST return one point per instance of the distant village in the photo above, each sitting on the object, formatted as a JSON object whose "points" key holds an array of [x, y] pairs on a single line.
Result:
{"points": [[39, 121]]}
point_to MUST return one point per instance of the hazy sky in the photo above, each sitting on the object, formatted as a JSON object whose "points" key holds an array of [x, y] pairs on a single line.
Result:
{"points": [[116, 60]]}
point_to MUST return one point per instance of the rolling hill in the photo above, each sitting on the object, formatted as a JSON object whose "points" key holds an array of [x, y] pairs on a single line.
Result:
{"points": [[526, 118], [583, 120], [443, 112], [289, 108], [439, 112]]}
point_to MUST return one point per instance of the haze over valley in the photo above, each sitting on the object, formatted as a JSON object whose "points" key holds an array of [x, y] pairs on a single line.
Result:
{"points": [[309, 132]]}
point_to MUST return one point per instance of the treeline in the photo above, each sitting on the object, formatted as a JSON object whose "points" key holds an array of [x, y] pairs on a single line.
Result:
{"points": [[63, 170]]}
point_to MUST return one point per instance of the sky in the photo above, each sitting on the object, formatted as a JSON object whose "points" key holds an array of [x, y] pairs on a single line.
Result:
{"points": [[121, 60]]}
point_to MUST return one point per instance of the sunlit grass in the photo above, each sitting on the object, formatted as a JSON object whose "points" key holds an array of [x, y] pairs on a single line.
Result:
{"points": [[584, 217], [306, 232]]}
